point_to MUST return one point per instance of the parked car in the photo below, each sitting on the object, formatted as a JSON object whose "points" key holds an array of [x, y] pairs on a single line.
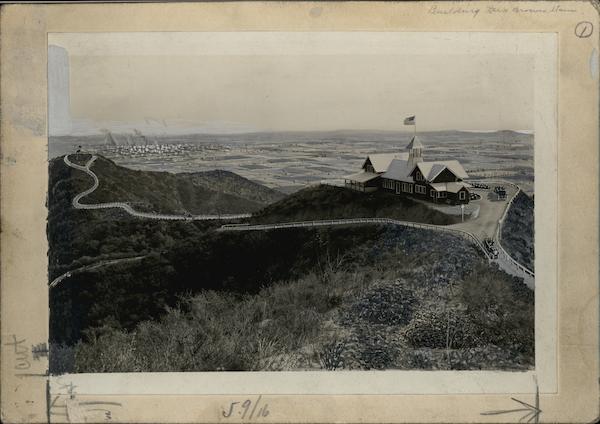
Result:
{"points": [[500, 191], [490, 246]]}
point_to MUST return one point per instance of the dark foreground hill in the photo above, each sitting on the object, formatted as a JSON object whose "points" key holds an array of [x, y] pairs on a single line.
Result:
{"points": [[80, 237], [518, 230], [365, 297], [327, 202]]}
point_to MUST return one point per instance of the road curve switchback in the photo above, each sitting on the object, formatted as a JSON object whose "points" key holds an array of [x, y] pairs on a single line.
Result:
{"points": [[504, 260], [127, 208]]}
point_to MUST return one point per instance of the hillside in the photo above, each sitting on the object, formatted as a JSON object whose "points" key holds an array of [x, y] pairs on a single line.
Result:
{"points": [[78, 237], [358, 297], [233, 184], [196, 193], [327, 202], [518, 231], [369, 297]]}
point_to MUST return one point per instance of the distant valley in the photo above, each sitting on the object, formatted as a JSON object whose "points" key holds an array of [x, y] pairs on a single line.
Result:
{"points": [[289, 161]]}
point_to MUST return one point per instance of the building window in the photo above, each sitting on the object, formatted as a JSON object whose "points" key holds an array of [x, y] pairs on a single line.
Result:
{"points": [[410, 188], [441, 194], [420, 189], [404, 187], [418, 176], [432, 193], [462, 195]]}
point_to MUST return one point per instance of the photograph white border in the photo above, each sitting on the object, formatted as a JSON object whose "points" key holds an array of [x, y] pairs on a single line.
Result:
{"points": [[542, 47]]}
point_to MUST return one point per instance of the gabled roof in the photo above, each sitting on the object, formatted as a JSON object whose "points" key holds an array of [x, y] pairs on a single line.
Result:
{"points": [[425, 168], [435, 170], [456, 187], [399, 170], [455, 167], [415, 143], [450, 187], [439, 186], [430, 170], [361, 177], [381, 161]]}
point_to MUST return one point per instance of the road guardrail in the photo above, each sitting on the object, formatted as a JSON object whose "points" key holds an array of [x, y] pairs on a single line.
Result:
{"points": [[498, 236], [353, 221]]}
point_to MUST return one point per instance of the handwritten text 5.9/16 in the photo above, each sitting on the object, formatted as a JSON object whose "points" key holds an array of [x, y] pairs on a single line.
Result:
{"points": [[247, 410]]}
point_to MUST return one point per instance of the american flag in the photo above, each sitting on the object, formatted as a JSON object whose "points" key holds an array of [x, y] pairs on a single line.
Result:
{"points": [[410, 120]]}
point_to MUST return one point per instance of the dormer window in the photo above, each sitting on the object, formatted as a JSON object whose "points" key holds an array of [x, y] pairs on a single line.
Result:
{"points": [[418, 176]]}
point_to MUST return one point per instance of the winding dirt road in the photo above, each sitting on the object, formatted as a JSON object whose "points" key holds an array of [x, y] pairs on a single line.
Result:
{"points": [[90, 267], [487, 225], [76, 202], [127, 208]]}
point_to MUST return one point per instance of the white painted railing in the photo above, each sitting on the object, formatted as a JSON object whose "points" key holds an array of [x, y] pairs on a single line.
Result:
{"points": [[354, 221], [498, 236], [89, 267], [505, 260], [317, 223]]}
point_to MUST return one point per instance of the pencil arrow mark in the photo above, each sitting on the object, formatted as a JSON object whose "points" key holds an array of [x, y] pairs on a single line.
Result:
{"points": [[532, 412]]}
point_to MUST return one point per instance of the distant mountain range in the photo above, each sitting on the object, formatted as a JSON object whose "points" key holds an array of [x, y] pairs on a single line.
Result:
{"points": [[122, 132]]}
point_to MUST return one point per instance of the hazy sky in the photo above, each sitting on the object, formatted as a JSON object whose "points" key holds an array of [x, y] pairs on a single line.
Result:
{"points": [[294, 84]]}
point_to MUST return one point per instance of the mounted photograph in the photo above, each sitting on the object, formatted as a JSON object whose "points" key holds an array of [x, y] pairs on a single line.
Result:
{"points": [[256, 201]]}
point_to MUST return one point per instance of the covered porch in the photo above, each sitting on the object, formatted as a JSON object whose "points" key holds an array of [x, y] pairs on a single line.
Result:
{"points": [[362, 181], [451, 192]]}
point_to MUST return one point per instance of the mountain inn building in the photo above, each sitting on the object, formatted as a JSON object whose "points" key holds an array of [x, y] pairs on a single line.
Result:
{"points": [[408, 174]]}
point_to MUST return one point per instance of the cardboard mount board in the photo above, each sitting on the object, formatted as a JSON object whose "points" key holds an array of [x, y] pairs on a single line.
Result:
{"points": [[561, 38]]}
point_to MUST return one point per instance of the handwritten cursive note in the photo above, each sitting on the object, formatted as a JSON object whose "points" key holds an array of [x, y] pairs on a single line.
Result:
{"points": [[475, 11], [455, 10], [241, 409]]}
